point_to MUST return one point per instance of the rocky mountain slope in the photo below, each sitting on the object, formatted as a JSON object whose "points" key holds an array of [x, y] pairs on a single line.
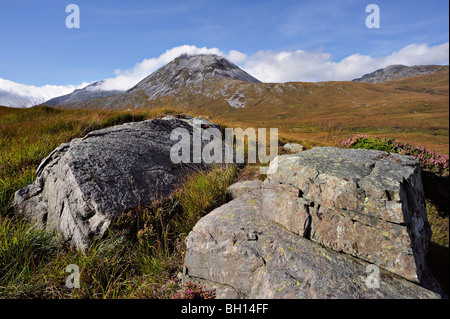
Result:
{"points": [[92, 91], [184, 71], [189, 70], [398, 71]]}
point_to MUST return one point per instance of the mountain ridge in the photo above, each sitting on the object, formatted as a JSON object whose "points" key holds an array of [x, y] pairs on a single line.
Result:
{"points": [[398, 72]]}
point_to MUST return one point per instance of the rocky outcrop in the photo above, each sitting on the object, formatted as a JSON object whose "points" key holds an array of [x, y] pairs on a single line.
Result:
{"points": [[365, 203], [82, 186], [329, 208], [240, 253]]}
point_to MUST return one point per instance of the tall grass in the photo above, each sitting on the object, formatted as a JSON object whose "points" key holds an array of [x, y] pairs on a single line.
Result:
{"points": [[140, 255], [202, 192]]}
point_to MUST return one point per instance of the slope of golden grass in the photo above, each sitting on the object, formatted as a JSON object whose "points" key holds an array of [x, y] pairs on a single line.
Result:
{"points": [[321, 113]]}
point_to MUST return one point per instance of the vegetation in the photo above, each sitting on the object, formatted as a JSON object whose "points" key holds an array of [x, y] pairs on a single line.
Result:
{"points": [[142, 253]]}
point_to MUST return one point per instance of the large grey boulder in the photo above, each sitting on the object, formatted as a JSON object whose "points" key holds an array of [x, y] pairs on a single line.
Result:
{"points": [[315, 226], [369, 204], [240, 253], [82, 186]]}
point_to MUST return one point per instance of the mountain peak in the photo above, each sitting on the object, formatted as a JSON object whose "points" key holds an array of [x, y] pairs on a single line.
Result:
{"points": [[190, 70], [399, 71]]}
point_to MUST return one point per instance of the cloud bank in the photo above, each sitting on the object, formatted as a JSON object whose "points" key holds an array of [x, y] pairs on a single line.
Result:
{"points": [[267, 66], [22, 95]]}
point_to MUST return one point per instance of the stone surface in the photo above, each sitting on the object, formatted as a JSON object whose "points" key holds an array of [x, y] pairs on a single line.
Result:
{"points": [[369, 204], [283, 204], [240, 188], [240, 253], [82, 186], [294, 148]]}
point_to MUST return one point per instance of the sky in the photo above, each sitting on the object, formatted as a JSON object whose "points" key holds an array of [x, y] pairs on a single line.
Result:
{"points": [[275, 41]]}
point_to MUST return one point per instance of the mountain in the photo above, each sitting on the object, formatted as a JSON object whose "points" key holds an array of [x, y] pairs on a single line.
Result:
{"points": [[92, 91], [398, 71], [183, 71], [190, 70]]}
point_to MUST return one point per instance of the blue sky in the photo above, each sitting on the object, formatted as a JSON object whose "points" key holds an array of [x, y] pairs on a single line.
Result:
{"points": [[37, 49]]}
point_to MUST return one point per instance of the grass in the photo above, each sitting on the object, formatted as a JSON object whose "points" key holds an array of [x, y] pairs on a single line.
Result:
{"points": [[142, 253], [139, 257]]}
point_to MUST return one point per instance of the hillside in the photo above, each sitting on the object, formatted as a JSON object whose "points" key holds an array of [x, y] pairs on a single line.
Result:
{"points": [[414, 109]]}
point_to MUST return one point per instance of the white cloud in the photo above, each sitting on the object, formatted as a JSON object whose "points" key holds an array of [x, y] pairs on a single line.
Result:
{"points": [[21, 95], [267, 66]]}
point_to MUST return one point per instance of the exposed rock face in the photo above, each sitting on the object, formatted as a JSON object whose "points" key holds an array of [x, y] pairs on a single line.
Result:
{"points": [[398, 71], [188, 70], [365, 203], [285, 237], [240, 253], [83, 185]]}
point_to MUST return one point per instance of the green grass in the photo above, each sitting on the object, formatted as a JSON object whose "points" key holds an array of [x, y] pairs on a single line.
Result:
{"points": [[141, 254]]}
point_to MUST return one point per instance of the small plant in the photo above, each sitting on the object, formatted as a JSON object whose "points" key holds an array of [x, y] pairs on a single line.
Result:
{"points": [[193, 291]]}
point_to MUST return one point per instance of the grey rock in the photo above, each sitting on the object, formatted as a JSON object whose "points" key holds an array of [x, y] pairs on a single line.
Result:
{"points": [[282, 203], [278, 263], [82, 186], [294, 147], [369, 204], [240, 188]]}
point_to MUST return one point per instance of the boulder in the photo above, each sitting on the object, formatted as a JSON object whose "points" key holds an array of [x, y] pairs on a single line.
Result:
{"points": [[82, 186], [240, 253], [369, 204], [238, 189], [294, 148]]}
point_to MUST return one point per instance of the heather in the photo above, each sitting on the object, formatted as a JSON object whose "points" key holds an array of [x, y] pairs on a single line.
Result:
{"points": [[432, 161]]}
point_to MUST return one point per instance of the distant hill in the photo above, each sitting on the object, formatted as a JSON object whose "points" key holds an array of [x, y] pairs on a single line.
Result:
{"points": [[412, 109], [398, 71], [92, 91]]}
